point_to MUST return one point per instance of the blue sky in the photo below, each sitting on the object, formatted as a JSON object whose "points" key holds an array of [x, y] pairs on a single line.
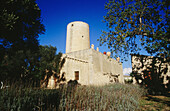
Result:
{"points": [[56, 14]]}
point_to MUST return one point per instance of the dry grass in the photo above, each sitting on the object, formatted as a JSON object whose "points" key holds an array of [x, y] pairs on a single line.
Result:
{"points": [[113, 97], [117, 97], [155, 103]]}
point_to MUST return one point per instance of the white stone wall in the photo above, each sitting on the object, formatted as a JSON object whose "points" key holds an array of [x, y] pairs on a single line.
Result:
{"points": [[77, 61], [77, 36], [104, 67], [94, 67]]}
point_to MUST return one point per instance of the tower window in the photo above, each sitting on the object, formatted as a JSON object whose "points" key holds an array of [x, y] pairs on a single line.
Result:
{"points": [[72, 25], [76, 75]]}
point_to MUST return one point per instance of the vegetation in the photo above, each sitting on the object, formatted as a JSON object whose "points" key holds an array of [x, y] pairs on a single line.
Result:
{"points": [[136, 24], [21, 57], [19, 98], [50, 63], [20, 27], [30, 67], [152, 103], [20, 24], [109, 97]]}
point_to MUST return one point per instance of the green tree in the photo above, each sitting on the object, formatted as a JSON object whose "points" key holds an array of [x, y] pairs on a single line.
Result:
{"points": [[31, 67], [20, 24], [50, 62], [20, 27], [22, 66], [136, 24]]}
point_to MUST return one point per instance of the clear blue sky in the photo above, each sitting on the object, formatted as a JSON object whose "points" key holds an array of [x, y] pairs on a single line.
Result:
{"points": [[56, 14]]}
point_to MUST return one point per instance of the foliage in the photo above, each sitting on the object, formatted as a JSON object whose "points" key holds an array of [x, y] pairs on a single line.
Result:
{"points": [[50, 62], [21, 57], [20, 24], [18, 98], [20, 66], [129, 81], [102, 98], [136, 24], [151, 72], [20, 27], [30, 66], [109, 97]]}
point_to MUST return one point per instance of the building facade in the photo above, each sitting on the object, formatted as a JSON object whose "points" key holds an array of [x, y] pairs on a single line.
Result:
{"points": [[87, 65], [90, 67], [84, 64]]}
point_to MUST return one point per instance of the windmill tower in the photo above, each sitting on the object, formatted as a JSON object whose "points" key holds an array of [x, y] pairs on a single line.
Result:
{"points": [[77, 36]]}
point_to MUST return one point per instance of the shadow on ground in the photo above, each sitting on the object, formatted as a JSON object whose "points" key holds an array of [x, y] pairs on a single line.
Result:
{"points": [[160, 99], [158, 102]]}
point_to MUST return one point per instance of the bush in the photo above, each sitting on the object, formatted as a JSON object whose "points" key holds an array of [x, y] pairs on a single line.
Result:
{"points": [[129, 81], [108, 97], [28, 99]]}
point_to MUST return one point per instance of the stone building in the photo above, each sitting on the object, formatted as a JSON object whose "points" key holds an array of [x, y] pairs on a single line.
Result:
{"points": [[149, 70], [87, 65]]}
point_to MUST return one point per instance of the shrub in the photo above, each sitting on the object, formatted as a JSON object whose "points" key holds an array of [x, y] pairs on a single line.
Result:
{"points": [[74, 97], [28, 99], [109, 97]]}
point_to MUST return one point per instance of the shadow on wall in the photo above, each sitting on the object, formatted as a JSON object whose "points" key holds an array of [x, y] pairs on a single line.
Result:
{"points": [[113, 78], [152, 72]]}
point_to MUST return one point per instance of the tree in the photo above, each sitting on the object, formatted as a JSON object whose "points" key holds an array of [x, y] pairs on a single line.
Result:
{"points": [[50, 63], [20, 24], [21, 66], [31, 67], [20, 27], [136, 24]]}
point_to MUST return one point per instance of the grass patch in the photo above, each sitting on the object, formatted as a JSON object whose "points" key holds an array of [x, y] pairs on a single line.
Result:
{"points": [[152, 103]]}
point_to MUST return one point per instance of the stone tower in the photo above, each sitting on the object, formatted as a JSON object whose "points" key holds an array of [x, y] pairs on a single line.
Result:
{"points": [[77, 36]]}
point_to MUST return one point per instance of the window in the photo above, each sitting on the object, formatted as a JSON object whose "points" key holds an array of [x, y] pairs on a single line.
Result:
{"points": [[76, 75], [72, 25]]}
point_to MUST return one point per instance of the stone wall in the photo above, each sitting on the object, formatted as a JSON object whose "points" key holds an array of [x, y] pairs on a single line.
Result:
{"points": [[77, 36], [105, 69], [77, 61], [94, 68]]}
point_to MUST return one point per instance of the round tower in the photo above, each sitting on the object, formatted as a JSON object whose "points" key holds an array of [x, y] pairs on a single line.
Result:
{"points": [[77, 36]]}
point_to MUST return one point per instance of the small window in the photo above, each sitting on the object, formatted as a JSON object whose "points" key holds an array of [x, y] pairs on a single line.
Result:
{"points": [[72, 25], [76, 75], [82, 36]]}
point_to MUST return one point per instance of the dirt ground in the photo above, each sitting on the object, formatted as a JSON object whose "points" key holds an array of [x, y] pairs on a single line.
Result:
{"points": [[155, 103]]}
